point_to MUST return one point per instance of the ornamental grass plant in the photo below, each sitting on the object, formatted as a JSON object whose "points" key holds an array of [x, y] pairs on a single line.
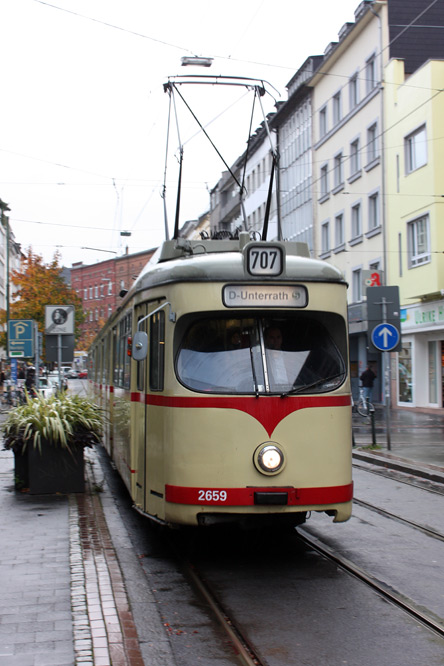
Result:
{"points": [[61, 421]]}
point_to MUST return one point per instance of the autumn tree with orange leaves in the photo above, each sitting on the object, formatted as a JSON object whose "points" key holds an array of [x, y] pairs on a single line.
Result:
{"points": [[36, 285]]}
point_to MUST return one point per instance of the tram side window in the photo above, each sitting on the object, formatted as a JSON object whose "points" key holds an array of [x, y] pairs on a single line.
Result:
{"points": [[122, 361], [105, 360], [115, 357], [141, 365], [126, 355], [157, 351]]}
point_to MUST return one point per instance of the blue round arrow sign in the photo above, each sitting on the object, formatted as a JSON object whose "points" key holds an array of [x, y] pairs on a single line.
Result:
{"points": [[385, 337]]}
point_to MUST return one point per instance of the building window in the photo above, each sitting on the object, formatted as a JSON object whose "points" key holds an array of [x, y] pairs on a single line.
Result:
{"points": [[325, 238], [339, 230], [357, 285], [353, 87], [90, 292], [323, 122], [96, 291], [418, 241], [372, 143], [324, 180], [355, 162], [337, 108], [85, 294], [356, 221], [373, 211], [415, 150], [338, 171], [370, 73]]}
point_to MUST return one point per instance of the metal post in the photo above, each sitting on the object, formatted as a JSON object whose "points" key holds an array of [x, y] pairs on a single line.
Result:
{"points": [[372, 421], [387, 381], [37, 356], [59, 359]]}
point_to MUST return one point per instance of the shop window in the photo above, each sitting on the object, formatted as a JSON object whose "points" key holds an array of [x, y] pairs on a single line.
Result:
{"points": [[405, 393]]}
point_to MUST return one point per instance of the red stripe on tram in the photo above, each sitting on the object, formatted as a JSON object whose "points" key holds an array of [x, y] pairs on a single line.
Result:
{"points": [[246, 496], [268, 410]]}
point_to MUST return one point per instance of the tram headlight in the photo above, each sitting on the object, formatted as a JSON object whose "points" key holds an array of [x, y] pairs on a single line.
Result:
{"points": [[269, 458]]}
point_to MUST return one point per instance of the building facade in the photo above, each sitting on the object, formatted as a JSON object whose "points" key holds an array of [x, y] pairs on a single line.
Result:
{"points": [[100, 285], [348, 166], [293, 123], [414, 110]]}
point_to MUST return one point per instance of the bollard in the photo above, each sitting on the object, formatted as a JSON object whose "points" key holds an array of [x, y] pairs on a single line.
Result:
{"points": [[372, 421]]}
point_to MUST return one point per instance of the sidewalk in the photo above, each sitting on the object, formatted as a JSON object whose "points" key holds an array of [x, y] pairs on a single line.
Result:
{"points": [[414, 437], [62, 598]]}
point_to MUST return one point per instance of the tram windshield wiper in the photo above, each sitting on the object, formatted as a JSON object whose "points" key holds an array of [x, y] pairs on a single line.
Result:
{"points": [[318, 382]]}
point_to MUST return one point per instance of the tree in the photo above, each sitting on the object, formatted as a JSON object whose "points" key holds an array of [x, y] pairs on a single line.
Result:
{"points": [[36, 285], [87, 335]]}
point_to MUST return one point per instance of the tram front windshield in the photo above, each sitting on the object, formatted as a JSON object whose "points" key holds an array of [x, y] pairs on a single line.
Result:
{"points": [[300, 353]]}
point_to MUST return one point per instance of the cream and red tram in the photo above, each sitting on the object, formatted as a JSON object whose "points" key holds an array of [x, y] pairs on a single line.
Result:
{"points": [[225, 380]]}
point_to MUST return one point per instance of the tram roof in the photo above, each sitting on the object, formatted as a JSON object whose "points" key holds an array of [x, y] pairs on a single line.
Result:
{"points": [[224, 261]]}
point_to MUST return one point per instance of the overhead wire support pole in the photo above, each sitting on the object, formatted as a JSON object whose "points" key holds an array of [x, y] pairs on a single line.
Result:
{"points": [[207, 135], [179, 184], [274, 157], [165, 213]]}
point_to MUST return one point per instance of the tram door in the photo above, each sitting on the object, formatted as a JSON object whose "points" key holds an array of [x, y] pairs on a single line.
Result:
{"points": [[139, 419]]}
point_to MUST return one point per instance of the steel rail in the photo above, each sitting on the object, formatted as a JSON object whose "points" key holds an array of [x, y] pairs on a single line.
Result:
{"points": [[397, 599], [411, 523], [244, 652]]}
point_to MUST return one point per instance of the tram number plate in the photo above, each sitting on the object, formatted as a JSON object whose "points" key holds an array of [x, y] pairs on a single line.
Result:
{"points": [[212, 495], [264, 260]]}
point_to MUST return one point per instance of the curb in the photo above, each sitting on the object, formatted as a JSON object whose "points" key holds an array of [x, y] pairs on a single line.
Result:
{"points": [[424, 471]]}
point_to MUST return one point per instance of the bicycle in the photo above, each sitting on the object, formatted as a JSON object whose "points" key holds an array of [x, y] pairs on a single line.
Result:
{"points": [[364, 407]]}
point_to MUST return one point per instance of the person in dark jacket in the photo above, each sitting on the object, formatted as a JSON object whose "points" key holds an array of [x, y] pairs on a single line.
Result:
{"points": [[367, 378]]}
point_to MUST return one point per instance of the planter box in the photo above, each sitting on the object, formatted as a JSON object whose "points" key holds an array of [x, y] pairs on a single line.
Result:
{"points": [[21, 475], [54, 470]]}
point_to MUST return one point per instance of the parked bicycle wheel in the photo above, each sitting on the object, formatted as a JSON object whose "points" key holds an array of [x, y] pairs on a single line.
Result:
{"points": [[365, 407]]}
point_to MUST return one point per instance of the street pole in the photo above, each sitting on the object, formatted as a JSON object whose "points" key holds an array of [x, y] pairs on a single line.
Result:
{"points": [[5, 221], [387, 380]]}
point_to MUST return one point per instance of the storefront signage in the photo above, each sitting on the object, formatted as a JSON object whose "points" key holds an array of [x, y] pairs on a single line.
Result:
{"points": [[264, 296], [431, 315]]}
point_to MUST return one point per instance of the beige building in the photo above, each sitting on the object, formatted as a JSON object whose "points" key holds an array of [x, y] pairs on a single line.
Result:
{"points": [[348, 164], [414, 109]]}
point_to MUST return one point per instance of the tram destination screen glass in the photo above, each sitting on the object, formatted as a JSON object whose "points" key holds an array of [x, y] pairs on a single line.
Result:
{"points": [[298, 353]]}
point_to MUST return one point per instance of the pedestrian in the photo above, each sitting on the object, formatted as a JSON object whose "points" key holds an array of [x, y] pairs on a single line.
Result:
{"points": [[367, 378]]}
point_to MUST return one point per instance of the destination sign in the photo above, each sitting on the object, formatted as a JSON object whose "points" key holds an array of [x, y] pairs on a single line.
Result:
{"points": [[264, 296]]}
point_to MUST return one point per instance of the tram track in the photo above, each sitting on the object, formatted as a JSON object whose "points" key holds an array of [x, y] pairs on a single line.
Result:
{"points": [[388, 514], [396, 598], [245, 653]]}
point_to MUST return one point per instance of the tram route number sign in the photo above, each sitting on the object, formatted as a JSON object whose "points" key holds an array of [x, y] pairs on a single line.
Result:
{"points": [[265, 260], [21, 338]]}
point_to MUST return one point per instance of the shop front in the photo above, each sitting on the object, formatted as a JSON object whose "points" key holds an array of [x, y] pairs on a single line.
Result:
{"points": [[420, 363]]}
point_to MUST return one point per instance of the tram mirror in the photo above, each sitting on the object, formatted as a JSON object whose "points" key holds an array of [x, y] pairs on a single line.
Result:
{"points": [[140, 345]]}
